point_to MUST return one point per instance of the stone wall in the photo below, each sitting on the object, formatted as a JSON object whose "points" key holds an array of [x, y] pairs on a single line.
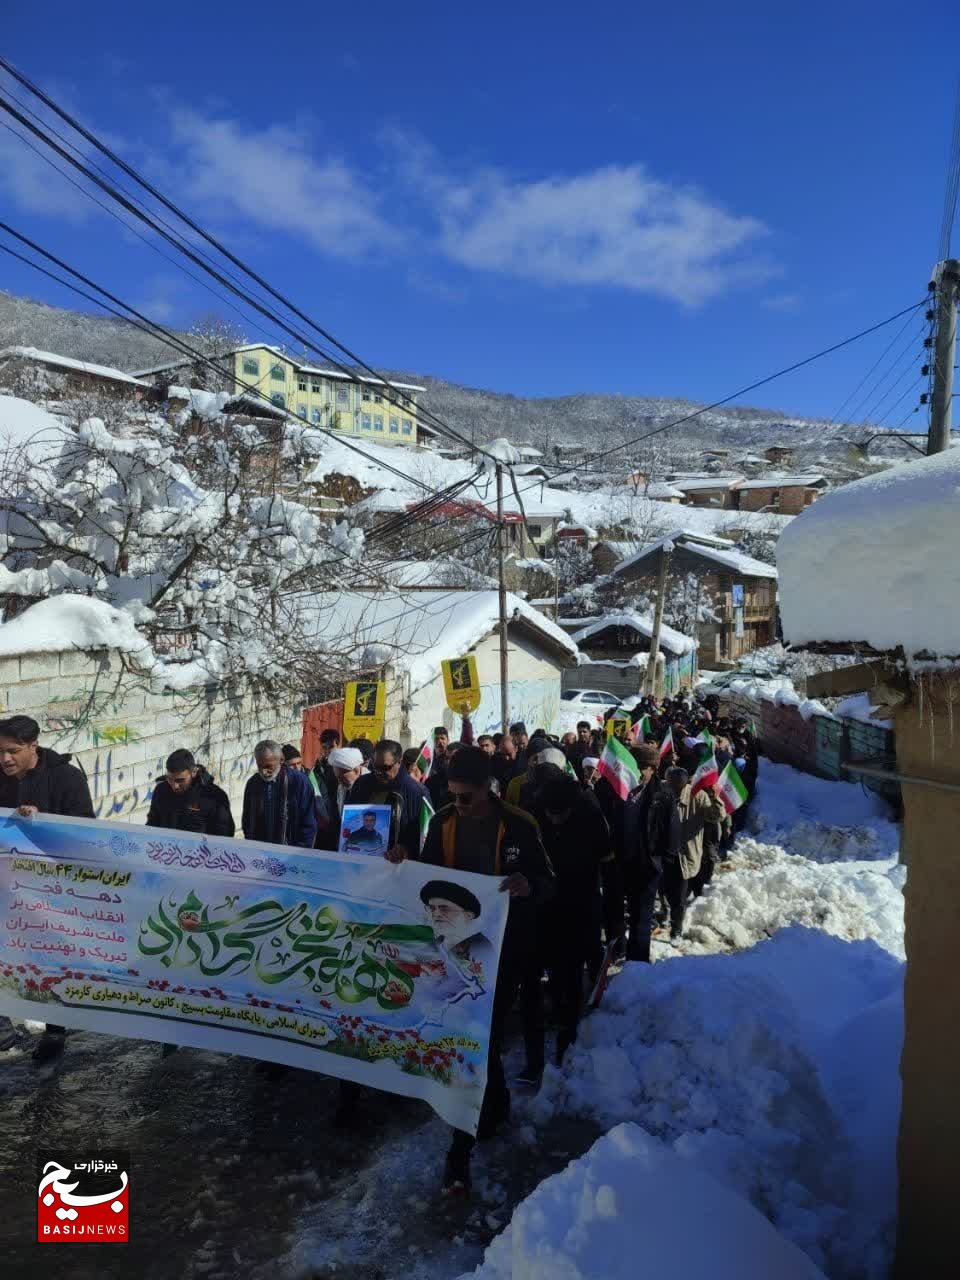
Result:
{"points": [[120, 730]]}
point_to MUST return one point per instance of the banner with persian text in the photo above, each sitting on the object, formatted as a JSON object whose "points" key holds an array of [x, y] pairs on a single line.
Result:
{"points": [[344, 964]]}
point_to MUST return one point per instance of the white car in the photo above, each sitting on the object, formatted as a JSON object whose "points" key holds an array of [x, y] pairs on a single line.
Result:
{"points": [[584, 704]]}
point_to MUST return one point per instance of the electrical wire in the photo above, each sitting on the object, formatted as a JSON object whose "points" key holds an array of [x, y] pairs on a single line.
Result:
{"points": [[952, 186]]}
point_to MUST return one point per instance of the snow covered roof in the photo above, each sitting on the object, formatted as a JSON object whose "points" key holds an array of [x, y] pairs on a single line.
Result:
{"points": [[674, 641], [414, 634], [696, 483], [712, 550], [443, 571], [24, 424], [661, 489], [783, 482], [66, 362], [872, 563]]}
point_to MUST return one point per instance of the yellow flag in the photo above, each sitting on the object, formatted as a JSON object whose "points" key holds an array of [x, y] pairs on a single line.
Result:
{"points": [[364, 710], [462, 684], [618, 727]]}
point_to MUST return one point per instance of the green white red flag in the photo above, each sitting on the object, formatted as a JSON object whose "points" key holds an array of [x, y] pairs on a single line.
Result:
{"points": [[732, 791], [641, 729], [425, 761], [666, 746], [619, 768], [707, 774], [426, 813], [706, 737]]}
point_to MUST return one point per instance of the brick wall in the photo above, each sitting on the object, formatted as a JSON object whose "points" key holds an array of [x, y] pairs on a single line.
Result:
{"points": [[120, 730]]}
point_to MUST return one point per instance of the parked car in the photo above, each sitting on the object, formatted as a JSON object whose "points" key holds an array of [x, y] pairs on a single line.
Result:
{"points": [[584, 704]]}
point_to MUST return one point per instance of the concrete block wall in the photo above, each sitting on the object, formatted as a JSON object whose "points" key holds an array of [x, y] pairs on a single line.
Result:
{"points": [[120, 730]]}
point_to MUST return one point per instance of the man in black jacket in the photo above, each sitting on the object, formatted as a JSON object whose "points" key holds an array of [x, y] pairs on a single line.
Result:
{"points": [[35, 779], [188, 799], [651, 832], [389, 783], [478, 832]]}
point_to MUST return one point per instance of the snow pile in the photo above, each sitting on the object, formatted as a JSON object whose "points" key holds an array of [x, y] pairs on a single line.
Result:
{"points": [[864, 564], [607, 1215], [746, 1066], [802, 813], [66, 622], [859, 707], [28, 426]]}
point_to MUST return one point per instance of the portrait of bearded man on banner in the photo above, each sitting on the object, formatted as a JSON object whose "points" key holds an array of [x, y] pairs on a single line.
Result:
{"points": [[453, 912]]}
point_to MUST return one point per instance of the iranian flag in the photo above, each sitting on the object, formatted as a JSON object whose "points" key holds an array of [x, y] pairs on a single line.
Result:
{"points": [[706, 775], [426, 813], [666, 746], [424, 760], [641, 729], [619, 768], [732, 791], [706, 737]]}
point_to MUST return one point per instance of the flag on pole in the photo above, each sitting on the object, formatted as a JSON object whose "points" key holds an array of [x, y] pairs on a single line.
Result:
{"points": [[425, 761], [426, 813], [619, 768], [641, 729], [666, 746], [706, 737], [706, 775], [732, 791]]}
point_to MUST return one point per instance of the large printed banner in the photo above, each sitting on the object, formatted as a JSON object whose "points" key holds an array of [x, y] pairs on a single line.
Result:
{"points": [[338, 963]]}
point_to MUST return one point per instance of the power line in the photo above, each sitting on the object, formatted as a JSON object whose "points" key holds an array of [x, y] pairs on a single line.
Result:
{"points": [[111, 190], [952, 186]]}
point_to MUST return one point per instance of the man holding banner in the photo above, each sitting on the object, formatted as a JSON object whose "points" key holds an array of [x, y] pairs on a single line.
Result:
{"points": [[389, 783], [478, 832]]}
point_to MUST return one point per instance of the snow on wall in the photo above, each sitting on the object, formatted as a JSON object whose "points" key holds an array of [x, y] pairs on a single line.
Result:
{"points": [[866, 562], [121, 734]]}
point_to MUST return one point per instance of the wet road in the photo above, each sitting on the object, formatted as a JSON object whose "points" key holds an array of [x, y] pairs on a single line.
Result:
{"points": [[236, 1173]]}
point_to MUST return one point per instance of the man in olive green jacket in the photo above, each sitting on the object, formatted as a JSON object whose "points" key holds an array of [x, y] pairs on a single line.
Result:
{"points": [[694, 813]]}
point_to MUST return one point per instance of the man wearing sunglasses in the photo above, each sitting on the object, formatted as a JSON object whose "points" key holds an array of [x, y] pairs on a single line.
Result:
{"points": [[478, 832], [389, 783]]}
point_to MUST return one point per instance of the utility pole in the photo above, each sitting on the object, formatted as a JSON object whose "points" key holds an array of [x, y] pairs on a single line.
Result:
{"points": [[946, 279], [650, 679], [502, 592]]}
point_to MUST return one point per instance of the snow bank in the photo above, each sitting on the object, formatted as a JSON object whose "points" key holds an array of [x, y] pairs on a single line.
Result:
{"points": [[790, 803], [864, 564], [744, 1064], [66, 622], [608, 1215], [24, 425]]}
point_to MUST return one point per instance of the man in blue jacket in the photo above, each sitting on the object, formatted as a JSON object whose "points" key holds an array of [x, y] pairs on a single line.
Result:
{"points": [[389, 783], [278, 806]]}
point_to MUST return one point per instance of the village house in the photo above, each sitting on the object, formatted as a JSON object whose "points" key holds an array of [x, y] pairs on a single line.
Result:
{"points": [[778, 454], [786, 495], [27, 370], [615, 650], [739, 590], [707, 491]]}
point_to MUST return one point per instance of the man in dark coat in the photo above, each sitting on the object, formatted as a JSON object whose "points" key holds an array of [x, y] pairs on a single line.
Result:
{"points": [[651, 833], [325, 785], [478, 832], [34, 780], [188, 799], [577, 841], [278, 803], [389, 783]]}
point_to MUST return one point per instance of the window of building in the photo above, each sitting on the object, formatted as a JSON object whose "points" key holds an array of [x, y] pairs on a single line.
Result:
{"points": [[301, 384], [279, 399], [392, 396], [536, 530], [378, 423], [278, 373], [407, 427], [251, 366], [315, 388], [377, 398], [343, 396], [365, 422], [316, 415], [302, 411], [365, 393], [394, 426]]}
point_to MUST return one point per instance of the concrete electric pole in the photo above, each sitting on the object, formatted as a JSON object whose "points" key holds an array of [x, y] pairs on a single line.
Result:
{"points": [[502, 593], [650, 679], [946, 279]]}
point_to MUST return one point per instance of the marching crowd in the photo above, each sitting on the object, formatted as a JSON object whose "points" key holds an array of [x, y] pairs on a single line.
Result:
{"points": [[594, 867]]}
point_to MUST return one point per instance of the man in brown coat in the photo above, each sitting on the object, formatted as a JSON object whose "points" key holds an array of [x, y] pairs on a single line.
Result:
{"points": [[695, 812]]}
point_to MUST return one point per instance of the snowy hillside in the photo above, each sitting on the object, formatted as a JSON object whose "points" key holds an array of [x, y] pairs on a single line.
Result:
{"points": [[476, 413]]}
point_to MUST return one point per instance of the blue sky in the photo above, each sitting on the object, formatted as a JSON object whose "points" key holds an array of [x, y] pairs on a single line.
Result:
{"points": [[542, 199]]}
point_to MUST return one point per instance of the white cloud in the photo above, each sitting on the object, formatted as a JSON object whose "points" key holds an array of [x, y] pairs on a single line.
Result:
{"points": [[31, 183], [613, 226], [271, 178]]}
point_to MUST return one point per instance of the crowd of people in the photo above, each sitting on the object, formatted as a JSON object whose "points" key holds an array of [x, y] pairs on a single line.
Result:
{"points": [[592, 877]]}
